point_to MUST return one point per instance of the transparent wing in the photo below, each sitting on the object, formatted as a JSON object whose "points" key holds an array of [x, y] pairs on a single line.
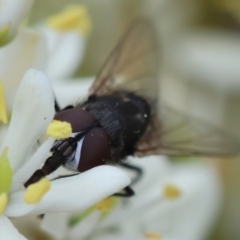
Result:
{"points": [[175, 134], [132, 65], [188, 135]]}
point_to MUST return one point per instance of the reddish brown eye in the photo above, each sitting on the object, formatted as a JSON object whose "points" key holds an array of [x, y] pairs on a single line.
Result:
{"points": [[78, 118], [95, 149]]}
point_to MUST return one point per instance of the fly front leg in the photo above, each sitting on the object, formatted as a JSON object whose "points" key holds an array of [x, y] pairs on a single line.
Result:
{"points": [[51, 164]]}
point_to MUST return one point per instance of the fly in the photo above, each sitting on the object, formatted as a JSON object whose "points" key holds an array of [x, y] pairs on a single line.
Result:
{"points": [[122, 116]]}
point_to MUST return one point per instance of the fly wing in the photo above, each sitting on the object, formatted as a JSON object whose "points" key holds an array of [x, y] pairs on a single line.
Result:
{"points": [[182, 135], [132, 65], [187, 135]]}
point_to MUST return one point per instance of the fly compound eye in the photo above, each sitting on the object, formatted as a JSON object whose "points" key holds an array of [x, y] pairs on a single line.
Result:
{"points": [[78, 118], [95, 149]]}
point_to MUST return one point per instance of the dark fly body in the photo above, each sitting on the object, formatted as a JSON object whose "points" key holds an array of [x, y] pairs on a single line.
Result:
{"points": [[123, 116]]}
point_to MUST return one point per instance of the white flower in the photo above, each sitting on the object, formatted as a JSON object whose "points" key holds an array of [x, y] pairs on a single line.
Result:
{"points": [[172, 201], [12, 13], [56, 48], [27, 50], [66, 34], [211, 57], [33, 110]]}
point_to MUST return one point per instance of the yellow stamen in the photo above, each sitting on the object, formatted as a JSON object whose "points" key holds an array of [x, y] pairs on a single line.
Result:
{"points": [[106, 204], [58, 129], [36, 191], [152, 236], [3, 202], [4, 34], [5, 172], [74, 17], [3, 110], [171, 192]]}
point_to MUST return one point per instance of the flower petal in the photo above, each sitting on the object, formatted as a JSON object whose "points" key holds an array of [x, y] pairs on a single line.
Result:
{"points": [[73, 193], [70, 92], [12, 14], [27, 50], [33, 111], [56, 224], [8, 231], [66, 52]]}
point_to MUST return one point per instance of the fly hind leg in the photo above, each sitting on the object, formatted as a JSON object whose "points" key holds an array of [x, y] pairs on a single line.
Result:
{"points": [[137, 170]]}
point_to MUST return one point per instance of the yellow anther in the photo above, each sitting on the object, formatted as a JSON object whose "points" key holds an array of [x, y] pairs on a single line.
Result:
{"points": [[3, 202], [5, 172], [171, 191], [58, 129], [3, 110], [106, 204], [4, 34], [74, 17], [152, 236], [36, 191]]}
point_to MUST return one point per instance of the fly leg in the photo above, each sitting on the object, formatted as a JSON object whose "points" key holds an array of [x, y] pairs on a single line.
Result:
{"points": [[137, 170], [51, 164], [58, 109], [65, 176], [128, 192]]}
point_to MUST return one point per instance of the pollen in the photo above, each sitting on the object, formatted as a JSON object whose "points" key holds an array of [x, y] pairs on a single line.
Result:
{"points": [[171, 192], [58, 129], [106, 205], [36, 191], [3, 202], [3, 109], [152, 236], [73, 17], [5, 172]]}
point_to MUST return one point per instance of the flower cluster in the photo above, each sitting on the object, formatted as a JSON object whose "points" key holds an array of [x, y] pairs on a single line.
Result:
{"points": [[169, 198]]}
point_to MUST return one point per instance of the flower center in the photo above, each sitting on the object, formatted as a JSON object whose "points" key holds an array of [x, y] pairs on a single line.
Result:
{"points": [[36, 191], [74, 17], [106, 205], [171, 192], [58, 129], [3, 111], [152, 236]]}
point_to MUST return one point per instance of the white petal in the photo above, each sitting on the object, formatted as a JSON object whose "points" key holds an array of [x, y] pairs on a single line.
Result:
{"points": [[73, 193], [32, 112], [27, 50], [197, 207], [13, 12], [25, 172], [8, 231], [200, 203], [56, 224], [66, 52], [211, 57], [69, 92], [83, 229]]}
